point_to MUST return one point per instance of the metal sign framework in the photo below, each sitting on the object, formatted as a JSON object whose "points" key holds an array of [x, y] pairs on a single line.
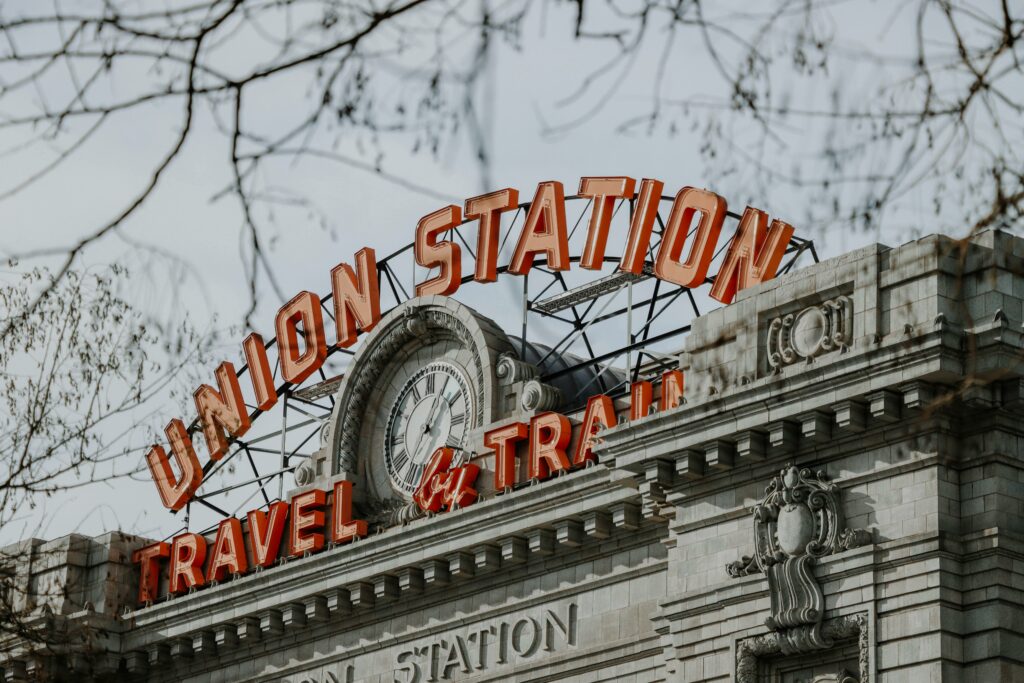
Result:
{"points": [[585, 322]]}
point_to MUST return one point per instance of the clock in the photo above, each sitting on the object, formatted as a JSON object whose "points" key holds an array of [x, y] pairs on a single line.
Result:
{"points": [[432, 409], [426, 376]]}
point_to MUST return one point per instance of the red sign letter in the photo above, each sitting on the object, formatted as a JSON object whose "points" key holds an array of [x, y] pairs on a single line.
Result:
{"points": [[307, 517], [221, 410], [259, 371], [428, 495], [544, 231], [671, 390], [304, 309], [345, 528], [175, 492], [445, 486], [549, 437], [488, 208], [445, 254], [265, 535], [644, 212], [148, 558], [503, 441], [711, 208], [604, 192], [188, 551], [600, 411], [753, 257], [354, 302], [228, 551]]}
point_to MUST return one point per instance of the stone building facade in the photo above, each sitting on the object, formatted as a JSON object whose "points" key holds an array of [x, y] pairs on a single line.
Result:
{"points": [[837, 499]]}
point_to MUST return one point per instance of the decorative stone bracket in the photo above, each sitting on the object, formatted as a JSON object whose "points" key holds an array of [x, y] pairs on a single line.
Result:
{"points": [[798, 521]]}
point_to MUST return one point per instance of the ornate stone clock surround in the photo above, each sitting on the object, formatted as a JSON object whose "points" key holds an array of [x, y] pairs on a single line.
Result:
{"points": [[422, 320]]}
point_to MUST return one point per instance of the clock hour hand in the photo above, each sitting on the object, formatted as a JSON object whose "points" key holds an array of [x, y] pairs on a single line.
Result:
{"points": [[416, 449]]}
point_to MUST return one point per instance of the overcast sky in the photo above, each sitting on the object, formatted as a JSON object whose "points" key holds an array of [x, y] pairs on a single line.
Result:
{"points": [[366, 210]]}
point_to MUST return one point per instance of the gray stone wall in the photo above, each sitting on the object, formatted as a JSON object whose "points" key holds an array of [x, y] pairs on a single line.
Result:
{"points": [[911, 408]]}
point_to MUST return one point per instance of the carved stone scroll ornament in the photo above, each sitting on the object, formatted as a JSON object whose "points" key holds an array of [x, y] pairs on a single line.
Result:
{"points": [[798, 520], [744, 566], [304, 473], [540, 396], [814, 331], [511, 370]]}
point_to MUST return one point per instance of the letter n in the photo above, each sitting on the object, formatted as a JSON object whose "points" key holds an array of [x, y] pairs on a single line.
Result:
{"points": [[356, 296], [753, 256], [223, 410]]}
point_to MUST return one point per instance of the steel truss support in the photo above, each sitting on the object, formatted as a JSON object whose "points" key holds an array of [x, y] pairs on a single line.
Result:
{"points": [[584, 327]]}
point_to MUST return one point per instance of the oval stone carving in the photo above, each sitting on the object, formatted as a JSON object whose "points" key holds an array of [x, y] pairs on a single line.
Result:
{"points": [[795, 528], [809, 331]]}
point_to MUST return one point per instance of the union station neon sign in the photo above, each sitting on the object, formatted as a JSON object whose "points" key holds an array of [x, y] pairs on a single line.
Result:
{"points": [[315, 517]]}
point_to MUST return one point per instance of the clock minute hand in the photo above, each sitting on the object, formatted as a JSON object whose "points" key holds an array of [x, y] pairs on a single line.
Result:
{"points": [[433, 411], [419, 436], [437, 403], [426, 427]]}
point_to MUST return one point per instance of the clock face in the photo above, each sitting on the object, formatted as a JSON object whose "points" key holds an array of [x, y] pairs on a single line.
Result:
{"points": [[432, 410]]}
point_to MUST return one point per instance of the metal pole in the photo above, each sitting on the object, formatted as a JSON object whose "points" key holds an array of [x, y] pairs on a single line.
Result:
{"points": [[284, 449], [629, 329], [526, 306]]}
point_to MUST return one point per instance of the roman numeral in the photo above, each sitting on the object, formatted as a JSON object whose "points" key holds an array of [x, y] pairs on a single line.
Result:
{"points": [[412, 477], [416, 395], [400, 460], [398, 439], [453, 441], [431, 381], [458, 419]]}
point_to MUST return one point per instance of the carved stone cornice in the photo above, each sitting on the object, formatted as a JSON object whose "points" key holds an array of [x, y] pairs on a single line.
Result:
{"points": [[727, 416], [492, 535]]}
